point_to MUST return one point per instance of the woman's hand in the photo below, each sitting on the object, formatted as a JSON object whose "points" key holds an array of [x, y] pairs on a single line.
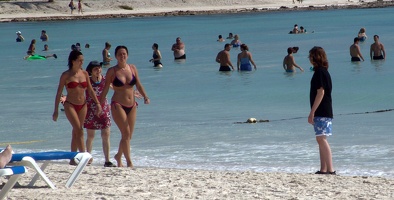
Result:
{"points": [[146, 101], [99, 110], [137, 94], [55, 115]]}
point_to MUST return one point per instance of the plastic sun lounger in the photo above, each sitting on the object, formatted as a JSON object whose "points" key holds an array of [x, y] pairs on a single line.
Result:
{"points": [[29, 160], [15, 172]]}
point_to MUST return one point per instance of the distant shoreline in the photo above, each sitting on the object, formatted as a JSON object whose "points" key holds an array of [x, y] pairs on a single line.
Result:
{"points": [[181, 12]]}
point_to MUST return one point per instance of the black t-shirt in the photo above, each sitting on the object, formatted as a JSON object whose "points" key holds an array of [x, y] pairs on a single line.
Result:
{"points": [[321, 78]]}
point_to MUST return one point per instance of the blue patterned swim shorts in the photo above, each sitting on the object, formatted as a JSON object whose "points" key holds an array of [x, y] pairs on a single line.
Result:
{"points": [[322, 126]]}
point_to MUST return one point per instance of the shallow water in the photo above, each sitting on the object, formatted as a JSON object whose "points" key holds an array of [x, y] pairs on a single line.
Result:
{"points": [[190, 122]]}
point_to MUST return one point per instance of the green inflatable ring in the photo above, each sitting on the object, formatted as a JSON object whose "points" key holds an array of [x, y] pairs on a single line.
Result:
{"points": [[36, 57]]}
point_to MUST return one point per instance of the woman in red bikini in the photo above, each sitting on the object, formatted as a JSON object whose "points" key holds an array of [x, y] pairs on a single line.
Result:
{"points": [[76, 82], [123, 77]]}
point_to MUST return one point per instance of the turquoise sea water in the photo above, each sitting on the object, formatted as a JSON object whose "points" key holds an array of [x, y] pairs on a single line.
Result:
{"points": [[190, 122]]}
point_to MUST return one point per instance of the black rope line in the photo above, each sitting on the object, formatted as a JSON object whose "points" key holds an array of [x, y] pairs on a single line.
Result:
{"points": [[253, 120]]}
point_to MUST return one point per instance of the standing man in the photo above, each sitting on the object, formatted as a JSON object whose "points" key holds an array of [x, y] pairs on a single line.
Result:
{"points": [[289, 63], [377, 51], [179, 49], [355, 52], [223, 58]]}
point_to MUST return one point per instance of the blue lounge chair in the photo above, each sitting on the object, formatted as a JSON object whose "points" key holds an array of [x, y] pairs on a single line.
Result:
{"points": [[14, 172], [29, 160]]}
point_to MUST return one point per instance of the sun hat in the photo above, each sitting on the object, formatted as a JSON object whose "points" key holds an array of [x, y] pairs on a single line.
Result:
{"points": [[18, 32]]}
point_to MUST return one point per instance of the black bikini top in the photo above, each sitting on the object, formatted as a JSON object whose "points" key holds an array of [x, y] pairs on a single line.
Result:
{"points": [[119, 83]]}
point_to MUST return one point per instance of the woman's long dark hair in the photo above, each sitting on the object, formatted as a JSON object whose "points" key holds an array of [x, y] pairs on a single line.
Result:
{"points": [[73, 56]]}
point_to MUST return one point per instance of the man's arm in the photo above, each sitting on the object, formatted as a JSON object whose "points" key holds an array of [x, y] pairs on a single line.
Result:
{"points": [[359, 53], [218, 58], [295, 64], [173, 48], [228, 61], [383, 51]]}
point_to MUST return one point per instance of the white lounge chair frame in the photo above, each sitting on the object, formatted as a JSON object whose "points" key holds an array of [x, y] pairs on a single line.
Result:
{"points": [[82, 158], [15, 172]]}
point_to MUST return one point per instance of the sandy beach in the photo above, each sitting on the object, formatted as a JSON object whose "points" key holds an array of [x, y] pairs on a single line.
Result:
{"points": [[97, 182], [37, 10], [147, 183]]}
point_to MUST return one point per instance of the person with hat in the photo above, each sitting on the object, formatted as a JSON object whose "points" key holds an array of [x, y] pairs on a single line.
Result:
{"points": [[19, 37], [94, 122]]}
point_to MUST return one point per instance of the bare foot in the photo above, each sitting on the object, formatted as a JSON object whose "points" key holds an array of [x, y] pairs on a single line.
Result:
{"points": [[130, 165], [118, 159], [5, 156], [90, 161], [72, 162]]}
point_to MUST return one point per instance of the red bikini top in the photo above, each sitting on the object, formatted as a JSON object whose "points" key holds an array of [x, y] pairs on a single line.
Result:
{"points": [[75, 84]]}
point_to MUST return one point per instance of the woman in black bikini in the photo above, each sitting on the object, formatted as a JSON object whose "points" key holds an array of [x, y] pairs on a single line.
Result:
{"points": [[123, 77], [76, 82]]}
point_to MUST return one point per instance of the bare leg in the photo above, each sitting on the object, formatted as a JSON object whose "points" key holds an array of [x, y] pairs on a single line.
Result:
{"points": [[126, 125], [89, 139], [76, 120], [127, 148], [89, 142], [119, 116], [323, 167], [5, 156], [106, 143], [118, 158], [52, 55], [325, 154]]}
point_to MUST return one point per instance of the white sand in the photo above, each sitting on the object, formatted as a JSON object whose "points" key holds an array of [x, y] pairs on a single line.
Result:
{"points": [[36, 8], [145, 183]]}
